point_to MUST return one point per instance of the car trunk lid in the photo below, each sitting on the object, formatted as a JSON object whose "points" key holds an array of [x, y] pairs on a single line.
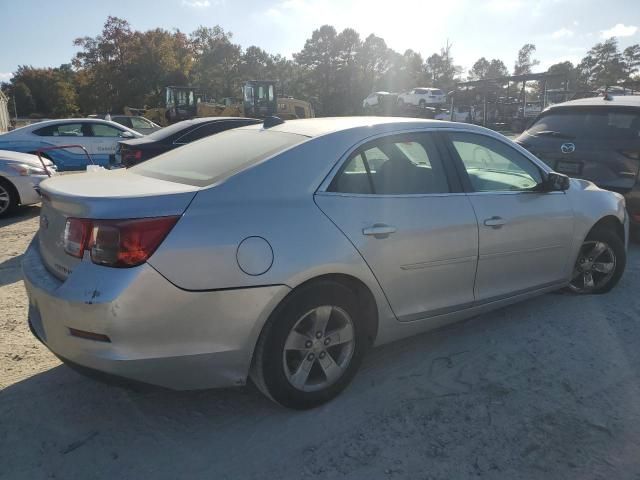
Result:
{"points": [[101, 195]]}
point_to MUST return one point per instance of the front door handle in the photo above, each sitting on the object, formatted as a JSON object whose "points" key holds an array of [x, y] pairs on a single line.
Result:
{"points": [[495, 222], [379, 230]]}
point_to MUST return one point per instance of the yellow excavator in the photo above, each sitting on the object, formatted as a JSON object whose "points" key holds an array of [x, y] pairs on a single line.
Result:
{"points": [[259, 100]]}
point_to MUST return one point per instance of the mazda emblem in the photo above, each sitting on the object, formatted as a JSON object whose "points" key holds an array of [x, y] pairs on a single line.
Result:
{"points": [[567, 148]]}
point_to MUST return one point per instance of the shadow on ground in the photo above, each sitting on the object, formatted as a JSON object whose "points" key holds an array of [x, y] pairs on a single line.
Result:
{"points": [[548, 388], [11, 271], [23, 213]]}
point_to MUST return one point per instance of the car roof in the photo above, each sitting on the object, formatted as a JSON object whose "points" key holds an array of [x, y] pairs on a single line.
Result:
{"points": [[195, 121], [315, 127], [614, 101]]}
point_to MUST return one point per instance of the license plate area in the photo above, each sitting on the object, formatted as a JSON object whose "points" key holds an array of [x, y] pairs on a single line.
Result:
{"points": [[569, 167]]}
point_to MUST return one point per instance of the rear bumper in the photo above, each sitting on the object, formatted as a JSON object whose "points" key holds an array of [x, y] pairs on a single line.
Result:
{"points": [[158, 333]]}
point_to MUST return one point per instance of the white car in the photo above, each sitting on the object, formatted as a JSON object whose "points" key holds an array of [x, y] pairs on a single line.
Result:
{"points": [[422, 97], [99, 137], [20, 177], [460, 114], [373, 100]]}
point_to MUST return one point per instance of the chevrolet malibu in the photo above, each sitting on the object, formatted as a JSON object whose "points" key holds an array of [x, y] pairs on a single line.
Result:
{"points": [[282, 252]]}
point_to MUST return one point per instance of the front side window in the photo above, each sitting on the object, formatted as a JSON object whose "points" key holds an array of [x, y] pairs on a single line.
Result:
{"points": [[397, 165], [493, 166], [100, 130]]}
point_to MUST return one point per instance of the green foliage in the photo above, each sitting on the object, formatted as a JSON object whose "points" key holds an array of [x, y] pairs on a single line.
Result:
{"points": [[334, 70], [484, 68]]}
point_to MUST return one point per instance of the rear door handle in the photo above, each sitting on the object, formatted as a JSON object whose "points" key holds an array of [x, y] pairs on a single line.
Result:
{"points": [[495, 222], [379, 230]]}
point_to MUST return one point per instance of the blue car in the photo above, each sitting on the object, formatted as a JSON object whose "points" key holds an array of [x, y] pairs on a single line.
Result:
{"points": [[98, 137]]}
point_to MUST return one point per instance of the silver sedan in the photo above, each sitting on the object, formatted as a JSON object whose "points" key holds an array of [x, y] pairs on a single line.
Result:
{"points": [[282, 252]]}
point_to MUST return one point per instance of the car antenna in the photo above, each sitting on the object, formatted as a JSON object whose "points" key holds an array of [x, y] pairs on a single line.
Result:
{"points": [[272, 121]]}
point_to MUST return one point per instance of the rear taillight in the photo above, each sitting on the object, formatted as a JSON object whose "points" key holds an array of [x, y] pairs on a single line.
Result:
{"points": [[76, 235], [116, 243], [131, 156]]}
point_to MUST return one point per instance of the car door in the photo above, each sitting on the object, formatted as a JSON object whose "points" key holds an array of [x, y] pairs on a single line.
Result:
{"points": [[524, 235], [103, 142], [402, 207], [59, 134]]}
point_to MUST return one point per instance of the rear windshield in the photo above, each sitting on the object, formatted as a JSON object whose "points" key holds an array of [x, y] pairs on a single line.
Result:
{"points": [[173, 129], [203, 162], [589, 123]]}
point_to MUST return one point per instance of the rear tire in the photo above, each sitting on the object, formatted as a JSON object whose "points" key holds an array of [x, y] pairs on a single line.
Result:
{"points": [[600, 263], [9, 199], [326, 362]]}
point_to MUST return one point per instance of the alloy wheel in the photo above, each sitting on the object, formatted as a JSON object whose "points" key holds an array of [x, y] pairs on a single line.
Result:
{"points": [[319, 348], [5, 199], [594, 268]]}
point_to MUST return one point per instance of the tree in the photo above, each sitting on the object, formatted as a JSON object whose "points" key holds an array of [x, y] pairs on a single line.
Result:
{"points": [[217, 61], [631, 60], [568, 73], [602, 66], [441, 70], [47, 92], [319, 61], [373, 61], [524, 64], [106, 59], [488, 69]]}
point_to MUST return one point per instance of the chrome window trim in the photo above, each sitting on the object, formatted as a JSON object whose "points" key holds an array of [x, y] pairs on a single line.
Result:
{"points": [[322, 189], [324, 185]]}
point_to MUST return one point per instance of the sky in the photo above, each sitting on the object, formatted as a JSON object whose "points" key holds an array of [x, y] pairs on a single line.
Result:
{"points": [[41, 33]]}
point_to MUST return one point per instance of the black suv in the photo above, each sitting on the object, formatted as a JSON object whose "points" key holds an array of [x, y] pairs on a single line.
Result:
{"points": [[597, 139]]}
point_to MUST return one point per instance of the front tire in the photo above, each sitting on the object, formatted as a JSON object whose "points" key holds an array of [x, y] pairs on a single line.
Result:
{"points": [[600, 264], [8, 198], [311, 347]]}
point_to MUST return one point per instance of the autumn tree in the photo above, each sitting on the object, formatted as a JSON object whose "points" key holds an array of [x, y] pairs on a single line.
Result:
{"points": [[525, 63]]}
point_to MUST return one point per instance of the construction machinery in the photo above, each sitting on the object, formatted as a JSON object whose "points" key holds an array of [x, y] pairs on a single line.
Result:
{"points": [[259, 100]]}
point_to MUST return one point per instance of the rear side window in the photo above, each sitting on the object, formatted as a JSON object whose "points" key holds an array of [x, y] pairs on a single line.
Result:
{"points": [[589, 123], [140, 123], [203, 163], [398, 165], [202, 131], [61, 130]]}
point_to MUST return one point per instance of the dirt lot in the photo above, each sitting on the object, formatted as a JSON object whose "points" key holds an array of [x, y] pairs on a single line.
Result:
{"points": [[545, 389]]}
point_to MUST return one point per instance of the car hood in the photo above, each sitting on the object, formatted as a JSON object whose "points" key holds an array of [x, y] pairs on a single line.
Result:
{"points": [[7, 156]]}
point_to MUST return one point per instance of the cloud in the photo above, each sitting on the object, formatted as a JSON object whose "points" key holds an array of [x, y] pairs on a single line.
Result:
{"points": [[619, 30], [5, 77], [196, 3], [562, 33], [504, 6]]}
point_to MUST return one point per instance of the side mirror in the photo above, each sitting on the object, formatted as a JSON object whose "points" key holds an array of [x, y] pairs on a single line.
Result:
{"points": [[556, 182], [125, 134]]}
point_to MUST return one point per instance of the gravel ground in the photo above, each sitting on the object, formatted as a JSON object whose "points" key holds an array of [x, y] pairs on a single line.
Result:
{"points": [[548, 388]]}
